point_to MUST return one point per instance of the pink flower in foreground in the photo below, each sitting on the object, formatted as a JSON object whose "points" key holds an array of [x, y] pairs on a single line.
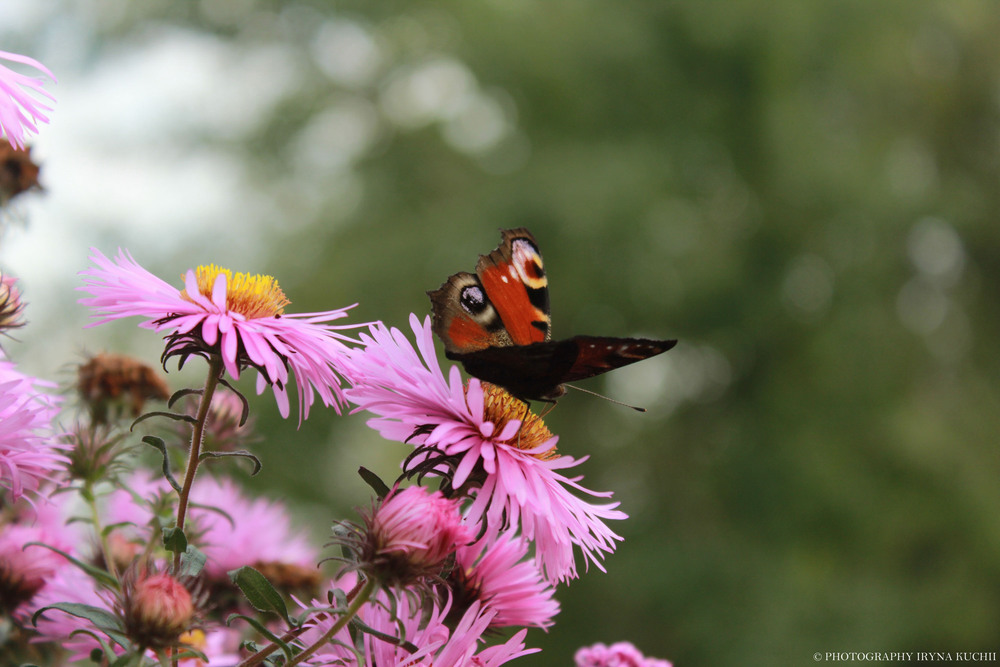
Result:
{"points": [[29, 451], [498, 576], [622, 654], [513, 471], [436, 644], [239, 317], [19, 111]]}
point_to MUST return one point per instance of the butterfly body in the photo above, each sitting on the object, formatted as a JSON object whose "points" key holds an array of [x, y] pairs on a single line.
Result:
{"points": [[496, 322]]}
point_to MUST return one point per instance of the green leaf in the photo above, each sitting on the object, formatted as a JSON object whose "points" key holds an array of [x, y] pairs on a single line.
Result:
{"points": [[192, 562], [158, 444], [392, 639], [174, 539], [259, 591], [243, 399], [181, 393], [176, 416], [101, 576], [374, 481], [241, 453], [101, 618]]}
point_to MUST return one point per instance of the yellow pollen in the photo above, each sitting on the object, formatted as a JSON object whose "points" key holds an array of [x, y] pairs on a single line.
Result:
{"points": [[500, 407], [252, 296]]}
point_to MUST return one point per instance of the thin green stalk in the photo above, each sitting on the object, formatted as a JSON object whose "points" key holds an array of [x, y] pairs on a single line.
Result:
{"points": [[197, 436], [109, 562]]}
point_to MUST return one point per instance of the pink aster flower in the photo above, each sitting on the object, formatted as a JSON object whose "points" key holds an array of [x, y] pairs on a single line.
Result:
{"points": [[238, 317], [19, 111], [436, 644], [25, 567], [500, 578], [29, 450], [621, 654], [231, 528], [510, 468]]}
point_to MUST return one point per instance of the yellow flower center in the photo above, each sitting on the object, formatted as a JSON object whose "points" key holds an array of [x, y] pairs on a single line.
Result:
{"points": [[253, 296], [500, 407]]}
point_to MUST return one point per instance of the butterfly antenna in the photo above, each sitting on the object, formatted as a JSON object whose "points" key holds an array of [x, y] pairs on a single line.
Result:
{"points": [[594, 393]]}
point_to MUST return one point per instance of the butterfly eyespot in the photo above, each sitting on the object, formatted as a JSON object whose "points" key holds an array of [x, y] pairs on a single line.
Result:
{"points": [[473, 300]]}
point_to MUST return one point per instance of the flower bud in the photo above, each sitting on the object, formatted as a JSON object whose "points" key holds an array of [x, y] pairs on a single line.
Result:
{"points": [[410, 536], [11, 306], [156, 607]]}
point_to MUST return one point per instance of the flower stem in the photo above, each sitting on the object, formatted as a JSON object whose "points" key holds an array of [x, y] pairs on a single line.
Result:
{"points": [[197, 435], [109, 562]]}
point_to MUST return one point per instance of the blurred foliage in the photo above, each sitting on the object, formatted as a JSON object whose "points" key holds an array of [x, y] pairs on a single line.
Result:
{"points": [[805, 194]]}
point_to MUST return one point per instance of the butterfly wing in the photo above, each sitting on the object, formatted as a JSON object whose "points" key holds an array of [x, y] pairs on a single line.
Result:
{"points": [[537, 371], [506, 302]]}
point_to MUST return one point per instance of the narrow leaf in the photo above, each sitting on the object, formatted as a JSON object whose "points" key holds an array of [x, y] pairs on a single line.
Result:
{"points": [[178, 395], [243, 399], [158, 444], [101, 576], [374, 481], [259, 591], [392, 639], [101, 618], [241, 453], [176, 416]]}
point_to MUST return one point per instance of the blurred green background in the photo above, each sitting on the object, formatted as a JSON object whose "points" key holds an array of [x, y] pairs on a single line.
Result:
{"points": [[804, 193]]}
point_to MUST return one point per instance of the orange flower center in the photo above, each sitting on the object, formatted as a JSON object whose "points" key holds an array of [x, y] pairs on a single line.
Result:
{"points": [[500, 407], [253, 296]]}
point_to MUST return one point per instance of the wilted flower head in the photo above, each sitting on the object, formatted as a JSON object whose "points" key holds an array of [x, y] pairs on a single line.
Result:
{"points": [[498, 576], [19, 110], [11, 306], [29, 450], [407, 537], [621, 654], [156, 609], [480, 439], [113, 384], [18, 173], [237, 317]]}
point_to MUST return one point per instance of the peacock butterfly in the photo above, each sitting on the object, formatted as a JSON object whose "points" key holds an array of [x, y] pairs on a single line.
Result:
{"points": [[496, 322]]}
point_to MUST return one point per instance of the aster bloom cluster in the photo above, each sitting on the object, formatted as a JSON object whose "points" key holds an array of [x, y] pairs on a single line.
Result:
{"points": [[107, 555]]}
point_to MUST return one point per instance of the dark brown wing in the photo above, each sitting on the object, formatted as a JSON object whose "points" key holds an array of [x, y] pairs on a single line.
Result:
{"points": [[537, 371]]}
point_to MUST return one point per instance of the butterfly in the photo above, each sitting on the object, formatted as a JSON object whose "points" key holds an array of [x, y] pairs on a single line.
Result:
{"points": [[496, 322]]}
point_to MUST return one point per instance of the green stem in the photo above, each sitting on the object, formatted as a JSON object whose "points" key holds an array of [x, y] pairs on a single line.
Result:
{"points": [[197, 436], [351, 611], [109, 561]]}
